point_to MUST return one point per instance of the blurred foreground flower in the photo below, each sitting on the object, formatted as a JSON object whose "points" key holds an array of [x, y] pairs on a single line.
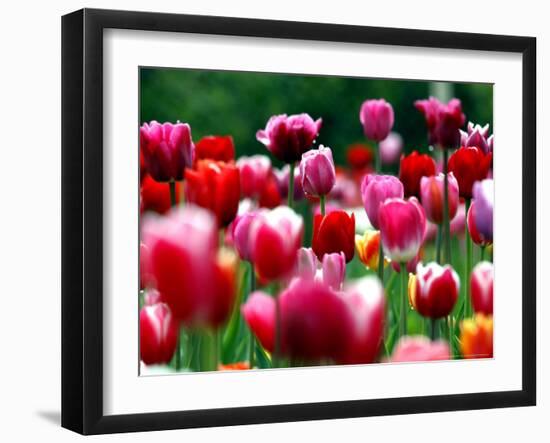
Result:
{"points": [[158, 334], [434, 290], [432, 190], [476, 337], [215, 147], [334, 232], [420, 348], [468, 166], [411, 170], [481, 284]]}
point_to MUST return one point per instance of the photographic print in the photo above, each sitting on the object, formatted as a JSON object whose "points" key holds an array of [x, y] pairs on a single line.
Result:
{"points": [[294, 220]]}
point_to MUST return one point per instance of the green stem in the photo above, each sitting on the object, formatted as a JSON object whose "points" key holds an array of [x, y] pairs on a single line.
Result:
{"points": [[291, 186], [322, 201], [438, 243], [482, 252], [252, 344], [173, 199], [404, 299], [209, 351], [433, 328], [446, 221], [468, 240], [381, 263]]}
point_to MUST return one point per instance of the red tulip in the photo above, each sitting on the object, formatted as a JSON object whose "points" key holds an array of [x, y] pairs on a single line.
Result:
{"points": [[436, 290], [420, 348], [377, 117], [259, 315], [167, 149], [194, 280], [476, 337], [275, 237], [215, 147], [288, 137], [158, 334], [255, 172], [359, 156], [215, 186], [481, 288], [334, 232], [411, 170], [155, 196], [432, 196], [365, 303], [270, 197], [449, 121], [402, 228], [468, 166]]}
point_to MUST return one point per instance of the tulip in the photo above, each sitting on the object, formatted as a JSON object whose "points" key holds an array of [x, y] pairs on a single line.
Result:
{"points": [[270, 197], [334, 270], [317, 172], [215, 147], [375, 189], [411, 170], [215, 186], [167, 149], [483, 216], [368, 248], [431, 191], [419, 348], [152, 297], [449, 121], [259, 314], [282, 175], [476, 236], [477, 136], [255, 172], [365, 303], [481, 288], [458, 223], [158, 334], [240, 230], [430, 109], [142, 167], [402, 227], [390, 148], [334, 232], [377, 117], [146, 278], [275, 237], [476, 337], [436, 290], [306, 264], [315, 321], [359, 156], [155, 196], [194, 279], [411, 265], [288, 137], [468, 166]]}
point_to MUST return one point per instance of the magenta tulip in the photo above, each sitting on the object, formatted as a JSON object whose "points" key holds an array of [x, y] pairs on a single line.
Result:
{"points": [[158, 334], [275, 237], [167, 149], [402, 228], [317, 171], [436, 290], [254, 172], [449, 121], [288, 137], [432, 196], [481, 287], [420, 348], [390, 148], [376, 116], [375, 190]]}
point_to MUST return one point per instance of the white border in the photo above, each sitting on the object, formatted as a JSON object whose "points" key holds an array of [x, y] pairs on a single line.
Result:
{"points": [[125, 392]]}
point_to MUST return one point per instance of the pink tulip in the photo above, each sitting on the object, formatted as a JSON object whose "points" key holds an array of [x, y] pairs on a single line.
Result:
{"points": [[402, 227], [255, 172], [420, 348], [281, 178], [436, 290], [458, 223], [481, 288], [240, 229], [477, 136], [390, 148], [432, 196], [158, 334], [307, 264], [152, 297], [275, 237], [167, 149], [259, 314], [194, 281], [288, 137], [376, 116], [375, 190], [365, 302], [334, 270], [317, 171]]}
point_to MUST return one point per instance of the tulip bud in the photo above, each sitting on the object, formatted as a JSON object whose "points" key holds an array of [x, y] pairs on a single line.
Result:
{"points": [[368, 248], [402, 228], [476, 135], [436, 290], [390, 148], [476, 337], [334, 232], [259, 315], [215, 147], [288, 137], [275, 237], [411, 170], [167, 149], [420, 348], [306, 264], [334, 270], [158, 334], [432, 196], [255, 172], [468, 166], [375, 189], [481, 288], [377, 117], [483, 216], [317, 171]]}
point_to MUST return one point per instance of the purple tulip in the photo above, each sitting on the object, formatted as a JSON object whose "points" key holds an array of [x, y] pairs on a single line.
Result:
{"points": [[477, 136], [375, 189], [483, 193], [334, 270], [167, 149], [390, 148], [376, 116], [288, 137], [281, 177], [317, 171]]}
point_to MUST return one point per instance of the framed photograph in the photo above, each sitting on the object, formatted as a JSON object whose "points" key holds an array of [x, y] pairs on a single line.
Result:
{"points": [[269, 221]]}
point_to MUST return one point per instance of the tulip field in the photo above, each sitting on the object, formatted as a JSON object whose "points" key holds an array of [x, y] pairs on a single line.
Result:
{"points": [[278, 246]]}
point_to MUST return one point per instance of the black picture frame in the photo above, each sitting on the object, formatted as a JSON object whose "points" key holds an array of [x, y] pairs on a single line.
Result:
{"points": [[82, 220]]}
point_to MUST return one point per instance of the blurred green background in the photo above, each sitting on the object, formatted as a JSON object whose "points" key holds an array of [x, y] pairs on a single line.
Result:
{"points": [[240, 103]]}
